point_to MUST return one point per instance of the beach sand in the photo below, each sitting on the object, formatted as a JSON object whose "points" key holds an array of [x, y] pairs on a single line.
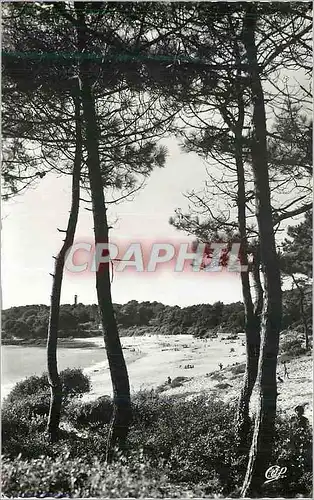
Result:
{"points": [[151, 359]]}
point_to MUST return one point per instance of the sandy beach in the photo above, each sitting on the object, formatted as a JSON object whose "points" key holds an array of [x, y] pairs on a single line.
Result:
{"points": [[151, 359]]}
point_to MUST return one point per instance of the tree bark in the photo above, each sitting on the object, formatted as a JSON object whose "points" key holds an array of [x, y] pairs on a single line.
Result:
{"points": [[261, 447], [304, 319], [252, 327], [256, 275], [122, 414], [302, 312], [52, 340], [253, 340]]}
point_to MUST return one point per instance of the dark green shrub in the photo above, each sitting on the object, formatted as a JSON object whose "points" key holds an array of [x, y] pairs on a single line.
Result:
{"points": [[292, 345], [74, 383], [14, 424], [222, 386], [92, 413], [33, 404], [27, 387], [23, 432], [22, 420], [195, 439], [238, 368], [147, 408], [188, 444], [178, 381], [162, 387], [62, 476], [218, 375], [25, 411], [293, 449]]}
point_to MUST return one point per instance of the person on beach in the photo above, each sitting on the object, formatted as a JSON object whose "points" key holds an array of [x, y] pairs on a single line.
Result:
{"points": [[220, 366], [286, 374]]}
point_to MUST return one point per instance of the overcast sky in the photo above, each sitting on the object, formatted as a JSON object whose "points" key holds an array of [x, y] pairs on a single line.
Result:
{"points": [[30, 238]]}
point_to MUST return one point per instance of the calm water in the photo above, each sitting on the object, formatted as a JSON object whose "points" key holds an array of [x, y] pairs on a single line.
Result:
{"points": [[20, 362]]}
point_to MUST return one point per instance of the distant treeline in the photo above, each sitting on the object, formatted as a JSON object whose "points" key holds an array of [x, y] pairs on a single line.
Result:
{"points": [[201, 320]]}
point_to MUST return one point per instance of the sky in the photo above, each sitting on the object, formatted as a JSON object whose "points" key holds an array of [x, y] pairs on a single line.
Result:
{"points": [[30, 238]]}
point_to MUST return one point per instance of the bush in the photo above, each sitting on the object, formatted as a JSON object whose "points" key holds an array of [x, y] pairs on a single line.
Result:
{"points": [[178, 382], [237, 369], [218, 375], [81, 478], [23, 431], [33, 404], [292, 345], [175, 447], [195, 439], [74, 383], [222, 386], [90, 414], [25, 411], [28, 387], [293, 449], [23, 425]]}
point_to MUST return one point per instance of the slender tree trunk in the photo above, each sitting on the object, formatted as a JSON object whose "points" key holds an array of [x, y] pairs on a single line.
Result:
{"points": [[253, 340], [302, 313], [252, 330], [259, 292], [304, 319], [261, 447], [52, 340], [252, 327], [122, 414]]}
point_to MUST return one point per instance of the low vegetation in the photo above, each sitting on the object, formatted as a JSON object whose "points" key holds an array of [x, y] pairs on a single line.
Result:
{"points": [[292, 344], [175, 447], [74, 383]]}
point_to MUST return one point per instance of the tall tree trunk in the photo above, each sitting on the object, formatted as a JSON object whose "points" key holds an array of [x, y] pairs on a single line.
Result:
{"points": [[252, 327], [122, 414], [252, 330], [261, 447], [259, 291], [302, 313], [52, 340], [253, 340]]}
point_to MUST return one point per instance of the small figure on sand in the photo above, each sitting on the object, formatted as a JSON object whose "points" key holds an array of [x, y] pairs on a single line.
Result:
{"points": [[169, 380], [286, 374], [220, 366]]}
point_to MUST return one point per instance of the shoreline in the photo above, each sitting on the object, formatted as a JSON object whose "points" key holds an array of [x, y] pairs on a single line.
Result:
{"points": [[68, 343], [194, 367]]}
